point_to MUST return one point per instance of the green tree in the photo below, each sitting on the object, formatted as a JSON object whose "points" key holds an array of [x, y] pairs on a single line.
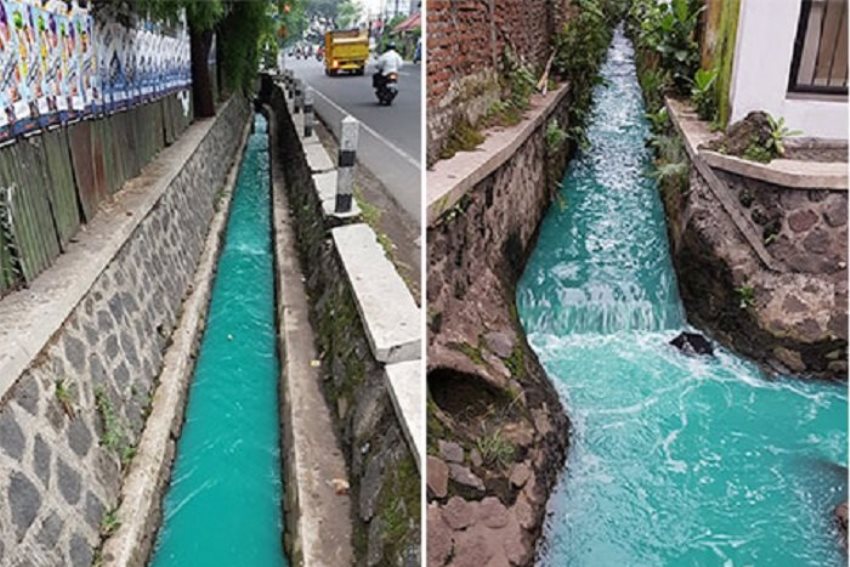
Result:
{"points": [[326, 9], [348, 14]]}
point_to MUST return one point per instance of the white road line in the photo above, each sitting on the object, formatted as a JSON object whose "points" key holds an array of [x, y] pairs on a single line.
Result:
{"points": [[404, 155]]}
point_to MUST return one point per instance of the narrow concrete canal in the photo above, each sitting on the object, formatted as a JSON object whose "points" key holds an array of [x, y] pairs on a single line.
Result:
{"points": [[673, 460], [223, 507]]}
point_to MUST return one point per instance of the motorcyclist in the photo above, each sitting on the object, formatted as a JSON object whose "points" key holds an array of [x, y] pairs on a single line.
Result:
{"points": [[389, 62]]}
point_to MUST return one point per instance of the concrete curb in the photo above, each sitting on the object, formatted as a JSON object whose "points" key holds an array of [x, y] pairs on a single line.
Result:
{"points": [[323, 168], [147, 477], [318, 519], [387, 310]]}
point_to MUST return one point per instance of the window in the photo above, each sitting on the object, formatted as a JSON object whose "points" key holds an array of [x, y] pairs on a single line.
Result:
{"points": [[820, 49]]}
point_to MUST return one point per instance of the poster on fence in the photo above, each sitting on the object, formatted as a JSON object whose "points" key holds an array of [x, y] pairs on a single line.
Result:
{"points": [[57, 64]]}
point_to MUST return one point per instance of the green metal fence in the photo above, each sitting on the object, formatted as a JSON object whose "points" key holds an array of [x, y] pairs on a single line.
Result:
{"points": [[53, 182]]}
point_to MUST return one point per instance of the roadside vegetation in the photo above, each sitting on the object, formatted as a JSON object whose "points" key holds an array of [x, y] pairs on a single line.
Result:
{"points": [[577, 51]]}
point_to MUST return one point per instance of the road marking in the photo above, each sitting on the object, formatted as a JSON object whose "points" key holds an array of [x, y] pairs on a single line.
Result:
{"points": [[404, 155]]}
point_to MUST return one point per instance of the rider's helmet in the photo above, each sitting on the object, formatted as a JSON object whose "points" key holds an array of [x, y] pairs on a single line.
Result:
{"points": [[390, 46]]}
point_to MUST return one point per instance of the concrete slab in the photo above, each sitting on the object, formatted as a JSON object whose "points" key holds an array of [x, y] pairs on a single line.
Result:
{"points": [[390, 316], [449, 180], [796, 174], [325, 184], [29, 317], [405, 381], [317, 158]]}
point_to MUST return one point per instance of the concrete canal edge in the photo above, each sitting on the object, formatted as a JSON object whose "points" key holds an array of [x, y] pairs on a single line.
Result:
{"points": [[147, 479], [361, 368], [776, 250], [484, 210], [316, 517], [90, 335]]}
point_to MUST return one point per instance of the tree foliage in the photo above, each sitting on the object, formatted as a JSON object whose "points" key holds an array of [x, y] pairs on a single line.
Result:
{"points": [[348, 14]]}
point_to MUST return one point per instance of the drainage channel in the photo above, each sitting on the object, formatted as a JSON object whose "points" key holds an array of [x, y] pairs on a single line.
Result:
{"points": [[673, 460], [223, 506]]}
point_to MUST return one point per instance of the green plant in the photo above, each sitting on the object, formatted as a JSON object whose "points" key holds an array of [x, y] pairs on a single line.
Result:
{"points": [[462, 138], [654, 84], [669, 28], [778, 133], [516, 362], [109, 523], [518, 80], [496, 451], [746, 296], [658, 121], [580, 48], [114, 437], [671, 173], [757, 152], [555, 136], [702, 93], [64, 397]]}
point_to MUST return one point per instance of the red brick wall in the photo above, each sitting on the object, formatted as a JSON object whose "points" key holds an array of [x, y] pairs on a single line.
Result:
{"points": [[466, 39]]}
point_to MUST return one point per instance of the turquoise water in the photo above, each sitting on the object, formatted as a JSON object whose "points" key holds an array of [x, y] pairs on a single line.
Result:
{"points": [[674, 461], [223, 507]]}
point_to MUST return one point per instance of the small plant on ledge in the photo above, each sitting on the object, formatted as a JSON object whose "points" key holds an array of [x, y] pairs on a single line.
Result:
{"points": [[746, 296], [702, 94]]}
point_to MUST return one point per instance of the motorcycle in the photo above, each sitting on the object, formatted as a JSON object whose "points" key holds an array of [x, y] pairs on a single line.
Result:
{"points": [[386, 89]]}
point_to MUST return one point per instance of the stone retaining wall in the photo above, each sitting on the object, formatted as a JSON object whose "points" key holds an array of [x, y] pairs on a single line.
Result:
{"points": [[497, 434], [70, 422], [383, 474], [792, 317]]}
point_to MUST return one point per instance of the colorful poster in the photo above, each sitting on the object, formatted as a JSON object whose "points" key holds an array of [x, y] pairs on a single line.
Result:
{"points": [[8, 75], [58, 64]]}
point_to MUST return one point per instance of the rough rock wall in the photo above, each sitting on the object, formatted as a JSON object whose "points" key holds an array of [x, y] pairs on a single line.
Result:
{"points": [[796, 319], [385, 482], [466, 41], [497, 434], [72, 419]]}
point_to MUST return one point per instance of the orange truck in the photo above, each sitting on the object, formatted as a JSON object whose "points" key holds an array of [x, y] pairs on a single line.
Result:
{"points": [[346, 50]]}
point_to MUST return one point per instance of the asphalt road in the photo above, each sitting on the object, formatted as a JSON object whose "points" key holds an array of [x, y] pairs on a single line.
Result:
{"points": [[389, 142], [399, 123]]}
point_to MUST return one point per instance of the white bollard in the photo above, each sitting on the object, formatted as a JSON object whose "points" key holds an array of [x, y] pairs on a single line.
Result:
{"points": [[308, 112], [297, 97], [345, 163]]}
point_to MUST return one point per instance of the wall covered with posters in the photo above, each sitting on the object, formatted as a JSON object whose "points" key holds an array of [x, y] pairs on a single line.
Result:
{"points": [[58, 64]]}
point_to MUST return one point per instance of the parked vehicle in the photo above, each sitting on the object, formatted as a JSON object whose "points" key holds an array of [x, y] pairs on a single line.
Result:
{"points": [[346, 50]]}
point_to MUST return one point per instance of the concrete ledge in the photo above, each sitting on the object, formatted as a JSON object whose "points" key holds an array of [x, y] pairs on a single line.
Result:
{"points": [[794, 174], [696, 132], [390, 316], [318, 520], [317, 158], [405, 385], [29, 317], [450, 179], [144, 485]]}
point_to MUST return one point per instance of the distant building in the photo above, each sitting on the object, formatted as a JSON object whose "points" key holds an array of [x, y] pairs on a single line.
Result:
{"points": [[789, 58]]}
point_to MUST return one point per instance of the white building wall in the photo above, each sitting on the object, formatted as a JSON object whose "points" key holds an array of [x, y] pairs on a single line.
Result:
{"points": [[763, 52]]}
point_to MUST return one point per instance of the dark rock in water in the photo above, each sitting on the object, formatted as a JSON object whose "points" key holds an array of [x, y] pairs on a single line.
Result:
{"points": [[692, 344], [841, 519]]}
